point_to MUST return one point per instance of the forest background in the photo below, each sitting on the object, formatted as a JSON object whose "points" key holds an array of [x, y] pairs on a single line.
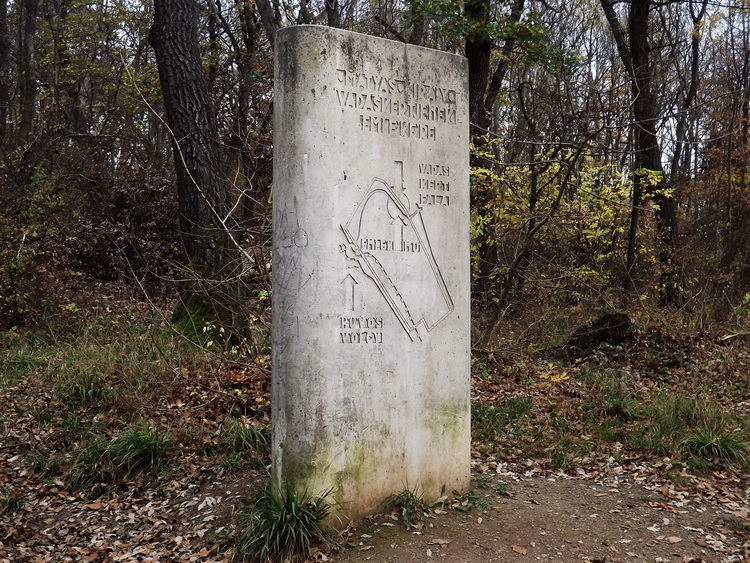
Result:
{"points": [[609, 151]]}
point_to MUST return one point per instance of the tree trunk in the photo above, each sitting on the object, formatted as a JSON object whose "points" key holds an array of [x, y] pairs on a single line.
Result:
{"points": [[636, 56], [4, 75], [478, 51], [269, 19], [484, 88], [207, 227], [333, 13], [27, 70]]}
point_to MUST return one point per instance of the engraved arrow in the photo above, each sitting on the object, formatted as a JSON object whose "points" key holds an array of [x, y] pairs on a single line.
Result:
{"points": [[349, 283]]}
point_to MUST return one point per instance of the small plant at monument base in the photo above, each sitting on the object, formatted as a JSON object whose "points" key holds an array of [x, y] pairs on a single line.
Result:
{"points": [[285, 526], [406, 505]]}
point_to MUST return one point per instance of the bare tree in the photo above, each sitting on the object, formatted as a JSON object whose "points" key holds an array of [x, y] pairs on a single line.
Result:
{"points": [[5, 76], [27, 69], [636, 52], [203, 198]]}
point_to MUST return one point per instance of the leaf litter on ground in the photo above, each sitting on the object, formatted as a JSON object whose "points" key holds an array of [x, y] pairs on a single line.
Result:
{"points": [[184, 512]]}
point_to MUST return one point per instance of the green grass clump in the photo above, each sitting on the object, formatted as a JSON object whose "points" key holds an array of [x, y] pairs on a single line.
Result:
{"points": [[284, 526], [619, 402], [11, 502], [85, 389], [241, 438], [408, 504], [137, 448], [90, 464], [488, 420], [17, 363], [244, 445], [45, 466], [696, 427], [140, 447], [715, 442]]}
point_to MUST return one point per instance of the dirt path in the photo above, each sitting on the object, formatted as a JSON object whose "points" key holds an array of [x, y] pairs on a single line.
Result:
{"points": [[561, 519]]}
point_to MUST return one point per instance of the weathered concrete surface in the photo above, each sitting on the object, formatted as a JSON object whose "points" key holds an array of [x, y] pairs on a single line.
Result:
{"points": [[371, 334]]}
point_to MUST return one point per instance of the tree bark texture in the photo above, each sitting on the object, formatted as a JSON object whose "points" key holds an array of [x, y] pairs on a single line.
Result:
{"points": [[269, 19], [478, 52], [202, 191], [27, 74], [5, 77]]}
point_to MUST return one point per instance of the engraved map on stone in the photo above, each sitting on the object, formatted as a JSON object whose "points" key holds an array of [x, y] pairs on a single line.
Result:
{"points": [[388, 240]]}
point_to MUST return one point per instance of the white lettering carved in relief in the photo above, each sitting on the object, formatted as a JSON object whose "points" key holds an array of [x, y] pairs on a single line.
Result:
{"points": [[357, 323], [360, 81], [408, 129], [430, 169], [434, 185]]}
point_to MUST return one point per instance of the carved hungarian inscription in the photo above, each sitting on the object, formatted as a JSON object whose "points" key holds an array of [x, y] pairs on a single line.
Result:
{"points": [[393, 106]]}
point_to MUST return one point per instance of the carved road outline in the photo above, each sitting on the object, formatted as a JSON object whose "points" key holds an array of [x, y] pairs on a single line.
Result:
{"points": [[381, 234]]}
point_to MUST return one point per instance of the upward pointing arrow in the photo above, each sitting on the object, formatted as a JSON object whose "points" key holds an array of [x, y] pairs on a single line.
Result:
{"points": [[349, 283]]}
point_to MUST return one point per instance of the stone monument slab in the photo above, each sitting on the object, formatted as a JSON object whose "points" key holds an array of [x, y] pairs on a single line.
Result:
{"points": [[371, 322]]}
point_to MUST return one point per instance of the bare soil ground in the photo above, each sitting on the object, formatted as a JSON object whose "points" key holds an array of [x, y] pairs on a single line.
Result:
{"points": [[562, 519]]}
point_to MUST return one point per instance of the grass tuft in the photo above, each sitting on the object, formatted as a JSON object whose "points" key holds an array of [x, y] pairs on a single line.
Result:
{"points": [[138, 448], [241, 445], [714, 442], [241, 438], [85, 389], [11, 502], [408, 504], [284, 526], [488, 420]]}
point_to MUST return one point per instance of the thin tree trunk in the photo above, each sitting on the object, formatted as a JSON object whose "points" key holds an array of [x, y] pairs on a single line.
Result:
{"points": [[678, 168], [635, 54], [333, 13], [269, 19], [628, 283], [27, 70], [5, 78], [478, 52]]}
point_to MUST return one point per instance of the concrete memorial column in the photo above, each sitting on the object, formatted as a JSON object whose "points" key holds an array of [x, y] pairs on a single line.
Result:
{"points": [[371, 327]]}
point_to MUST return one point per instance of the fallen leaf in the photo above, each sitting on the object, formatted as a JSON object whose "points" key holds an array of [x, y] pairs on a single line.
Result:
{"points": [[438, 541], [520, 550]]}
